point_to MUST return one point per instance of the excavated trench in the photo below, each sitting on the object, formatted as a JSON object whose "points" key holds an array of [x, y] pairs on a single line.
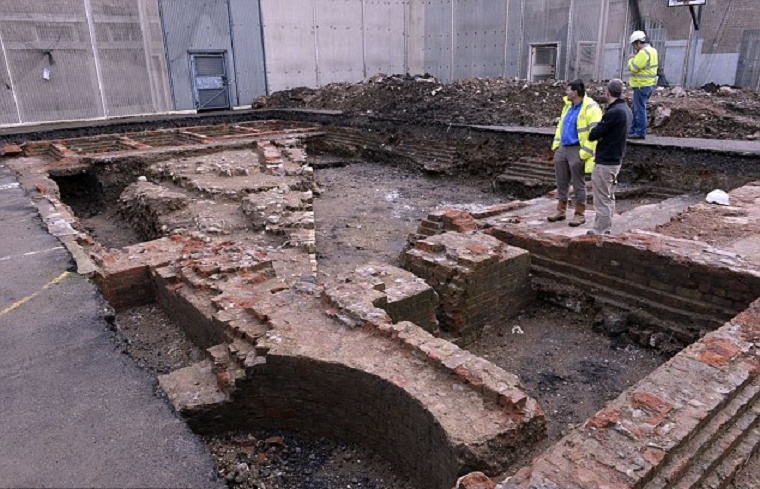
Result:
{"points": [[571, 353], [365, 212]]}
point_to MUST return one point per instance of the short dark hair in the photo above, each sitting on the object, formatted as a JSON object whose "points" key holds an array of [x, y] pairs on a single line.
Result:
{"points": [[578, 86], [615, 87]]}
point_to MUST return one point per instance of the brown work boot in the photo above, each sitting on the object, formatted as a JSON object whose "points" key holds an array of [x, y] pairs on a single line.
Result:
{"points": [[561, 211], [580, 215]]}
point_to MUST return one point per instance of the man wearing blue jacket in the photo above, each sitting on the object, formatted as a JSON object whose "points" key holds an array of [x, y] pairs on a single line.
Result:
{"points": [[610, 133]]}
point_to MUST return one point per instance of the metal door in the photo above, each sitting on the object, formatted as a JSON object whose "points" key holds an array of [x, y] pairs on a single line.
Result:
{"points": [[210, 82], [543, 62]]}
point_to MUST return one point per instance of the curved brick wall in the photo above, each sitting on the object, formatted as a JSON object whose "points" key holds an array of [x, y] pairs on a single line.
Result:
{"points": [[329, 399]]}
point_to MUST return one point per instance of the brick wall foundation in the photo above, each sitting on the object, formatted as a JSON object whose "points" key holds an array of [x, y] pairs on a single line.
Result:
{"points": [[478, 279]]}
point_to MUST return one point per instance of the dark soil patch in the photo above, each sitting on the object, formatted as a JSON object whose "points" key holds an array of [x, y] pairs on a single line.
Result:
{"points": [[571, 370], [279, 460]]}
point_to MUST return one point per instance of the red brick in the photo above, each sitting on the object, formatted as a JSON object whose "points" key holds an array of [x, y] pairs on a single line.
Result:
{"points": [[717, 352], [605, 418], [650, 402]]}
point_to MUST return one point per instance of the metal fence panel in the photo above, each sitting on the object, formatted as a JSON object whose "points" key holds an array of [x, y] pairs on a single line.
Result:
{"points": [[50, 60], [194, 25], [384, 36], [8, 108], [480, 33], [340, 43], [438, 39], [128, 47], [289, 43], [546, 21], [513, 48], [249, 50], [585, 39]]}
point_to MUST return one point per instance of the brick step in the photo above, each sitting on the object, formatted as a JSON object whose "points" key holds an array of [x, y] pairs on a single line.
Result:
{"points": [[535, 164], [688, 465], [667, 319], [352, 140], [664, 192], [194, 388], [227, 364], [427, 152], [721, 450], [538, 173], [526, 181], [734, 462], [687, 310]]}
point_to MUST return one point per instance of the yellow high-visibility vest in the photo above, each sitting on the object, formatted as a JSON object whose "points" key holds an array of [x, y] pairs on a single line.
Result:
{"points": [[588, 118], [643, 67]]}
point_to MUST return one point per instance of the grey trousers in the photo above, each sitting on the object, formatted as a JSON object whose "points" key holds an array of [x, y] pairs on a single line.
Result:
{"points": [[569, 169], [603, 180]]}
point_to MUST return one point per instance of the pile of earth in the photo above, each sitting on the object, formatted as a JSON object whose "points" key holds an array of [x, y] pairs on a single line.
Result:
{"points": [[712, 111]]}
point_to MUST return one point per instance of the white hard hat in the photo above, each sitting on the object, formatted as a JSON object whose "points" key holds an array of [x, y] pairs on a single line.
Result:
{"points": [[638, 36]]}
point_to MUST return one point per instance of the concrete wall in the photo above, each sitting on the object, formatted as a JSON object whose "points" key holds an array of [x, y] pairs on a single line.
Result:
{"points": [[69, 59], [107, 58]]}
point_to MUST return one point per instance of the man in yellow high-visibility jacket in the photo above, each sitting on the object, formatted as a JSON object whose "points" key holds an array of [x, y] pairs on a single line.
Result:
{"points": [[573, 152], [643, 68]]}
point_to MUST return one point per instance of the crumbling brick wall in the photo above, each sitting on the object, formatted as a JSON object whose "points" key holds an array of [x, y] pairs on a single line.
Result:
{"points": [[478, 279]]}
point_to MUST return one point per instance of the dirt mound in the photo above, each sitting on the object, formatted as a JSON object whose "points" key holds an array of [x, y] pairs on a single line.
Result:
{"points": [[715, 112]]}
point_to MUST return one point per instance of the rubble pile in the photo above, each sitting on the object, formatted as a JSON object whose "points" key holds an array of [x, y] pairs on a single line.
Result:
{"points": [[709, 112]]}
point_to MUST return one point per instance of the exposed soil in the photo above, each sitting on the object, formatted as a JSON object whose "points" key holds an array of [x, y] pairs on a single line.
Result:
{"points": [[280, 460], [367, 210], [711, 112], [569, 368], [155, 341]]}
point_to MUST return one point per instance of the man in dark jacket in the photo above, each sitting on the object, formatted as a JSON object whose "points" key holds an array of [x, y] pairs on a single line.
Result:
{"points": [[611, 133]]}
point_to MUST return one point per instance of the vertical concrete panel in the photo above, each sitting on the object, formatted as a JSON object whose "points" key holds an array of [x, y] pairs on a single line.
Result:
{"points": [[514, 49], [8, 108], [615, 39], [289, 44], [546, 21], [716, 68], [384, 31], [673, 61], [340, 51], [248, 46], [438, 39], [416, 37], [52, 36], [584, 47], [195, 25], [479, 36], [126, 45]]}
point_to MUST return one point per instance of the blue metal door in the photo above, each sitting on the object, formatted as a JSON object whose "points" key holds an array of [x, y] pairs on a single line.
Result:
{"points": [[210, 82]]}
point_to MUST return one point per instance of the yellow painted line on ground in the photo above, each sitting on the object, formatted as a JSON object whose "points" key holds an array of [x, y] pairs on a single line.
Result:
{"points": [[30, 297]]}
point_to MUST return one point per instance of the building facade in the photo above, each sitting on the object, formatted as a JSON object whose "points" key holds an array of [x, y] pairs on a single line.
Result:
{"points": [[81, 59]]}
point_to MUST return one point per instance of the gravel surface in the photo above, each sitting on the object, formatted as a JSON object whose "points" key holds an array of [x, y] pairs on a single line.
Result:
{"points": [[155, 341]]}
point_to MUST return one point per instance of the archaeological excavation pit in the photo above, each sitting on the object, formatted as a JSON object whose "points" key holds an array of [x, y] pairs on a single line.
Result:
{"points": [[405, 295]]}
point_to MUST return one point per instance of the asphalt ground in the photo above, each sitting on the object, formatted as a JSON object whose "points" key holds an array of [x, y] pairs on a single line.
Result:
{"points": [[74, 410]]}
